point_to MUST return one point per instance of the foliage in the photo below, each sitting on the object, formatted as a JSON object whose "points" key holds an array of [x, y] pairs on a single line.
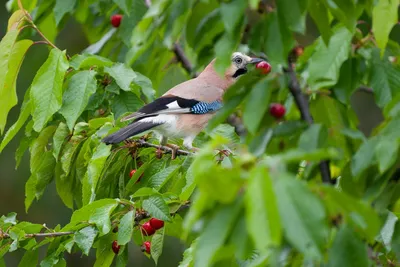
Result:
{"points": [[262, 205]]}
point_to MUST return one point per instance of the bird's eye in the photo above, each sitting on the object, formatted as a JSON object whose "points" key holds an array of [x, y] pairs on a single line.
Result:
{"points": [[238, 60]]}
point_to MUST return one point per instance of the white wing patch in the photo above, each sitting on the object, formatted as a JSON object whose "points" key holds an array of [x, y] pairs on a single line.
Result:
{"points": [[173, 105]]}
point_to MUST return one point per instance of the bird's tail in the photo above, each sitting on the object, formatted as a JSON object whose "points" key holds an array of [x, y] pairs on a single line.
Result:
{"points": [[128, 131]]}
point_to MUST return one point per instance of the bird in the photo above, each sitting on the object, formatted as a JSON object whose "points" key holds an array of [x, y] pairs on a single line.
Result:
{"points": [[185, 109]]}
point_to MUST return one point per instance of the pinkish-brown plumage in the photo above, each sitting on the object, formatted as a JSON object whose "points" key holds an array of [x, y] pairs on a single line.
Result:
{"points": [[172, 115]]}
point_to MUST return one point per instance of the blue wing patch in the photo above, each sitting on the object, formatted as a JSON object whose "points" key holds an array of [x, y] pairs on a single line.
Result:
{"points": [[204, 107]]}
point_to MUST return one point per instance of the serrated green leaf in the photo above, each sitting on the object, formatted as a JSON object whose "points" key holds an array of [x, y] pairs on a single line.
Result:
{"points": [[262, 215], [11, 58], [30, 258], [84, 238], [60, 136], [384, 79], [157, 243], [384, 17], [101, 217], [122, 74], [88, 61], [63, 7], [145, 192], [46, 88], [156, 206], [24, 114], [125, 102], [125, 228], [158, 180], [93, 173], [76, 97], [325, 63], [319, 13], [302, 214], [232, 14], [347, 249], [294, 14]]}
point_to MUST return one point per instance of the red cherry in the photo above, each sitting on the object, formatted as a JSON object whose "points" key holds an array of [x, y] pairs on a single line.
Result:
{"points": [[264, 66], [132, 173], [156, 223], [116, 20], [115, 247], [146, 247], [147, 229], [277, 110]]}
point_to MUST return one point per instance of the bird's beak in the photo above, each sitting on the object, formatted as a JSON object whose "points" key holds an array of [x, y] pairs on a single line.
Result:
{"points": [[255, 60]]}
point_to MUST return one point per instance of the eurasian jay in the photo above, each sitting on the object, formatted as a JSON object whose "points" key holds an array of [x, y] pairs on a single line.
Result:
{"points": [[184, 110]]}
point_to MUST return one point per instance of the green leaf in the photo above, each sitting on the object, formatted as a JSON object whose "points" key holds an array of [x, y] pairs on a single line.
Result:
{"points": [[386, 153], [319, 13], [46, 88], [294, 14], [30, 258], [136, 12], [262, 215], [145, 192], [384, 79], [60, 136], [158, 180], [279, 39], [101, 217], [11, 57], [125, 102], [388, 230], [156, 206], [314, 137], [347, 249], [256, 105], [396, 240], [76, 97], [325, 63], [215, 232], [122, 74], [360, 215], [125, 228], [104, 252], [93, 173], [346, 11], [364, 157], [84, 238], [42, 175], [232, 14], [157, 243], [384, 17], [302, 214], [63, 7], [123, 5], [24, 114], [87, 61]]}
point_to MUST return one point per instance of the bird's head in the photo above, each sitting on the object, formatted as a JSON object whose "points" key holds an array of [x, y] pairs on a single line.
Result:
{"points": [[239, 63]]}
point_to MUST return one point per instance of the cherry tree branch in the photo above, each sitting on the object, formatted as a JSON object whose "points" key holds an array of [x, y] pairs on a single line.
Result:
{"points": [[55, 234], [166, 149], [302, 104]]}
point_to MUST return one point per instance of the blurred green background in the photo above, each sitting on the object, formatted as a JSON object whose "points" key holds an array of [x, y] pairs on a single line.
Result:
{"points": [[49, 209]]}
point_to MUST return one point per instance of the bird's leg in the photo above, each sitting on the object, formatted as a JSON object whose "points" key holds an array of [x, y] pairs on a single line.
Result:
{"points": [[174, 149]]}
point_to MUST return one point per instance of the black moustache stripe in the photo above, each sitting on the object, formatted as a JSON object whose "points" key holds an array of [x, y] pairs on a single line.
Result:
{"points": [[239, 72]]}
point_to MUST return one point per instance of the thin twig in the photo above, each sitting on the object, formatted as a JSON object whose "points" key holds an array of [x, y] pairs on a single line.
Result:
{"points": [[302, 104], [166, 149], [181, 56], [55, 234]]}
